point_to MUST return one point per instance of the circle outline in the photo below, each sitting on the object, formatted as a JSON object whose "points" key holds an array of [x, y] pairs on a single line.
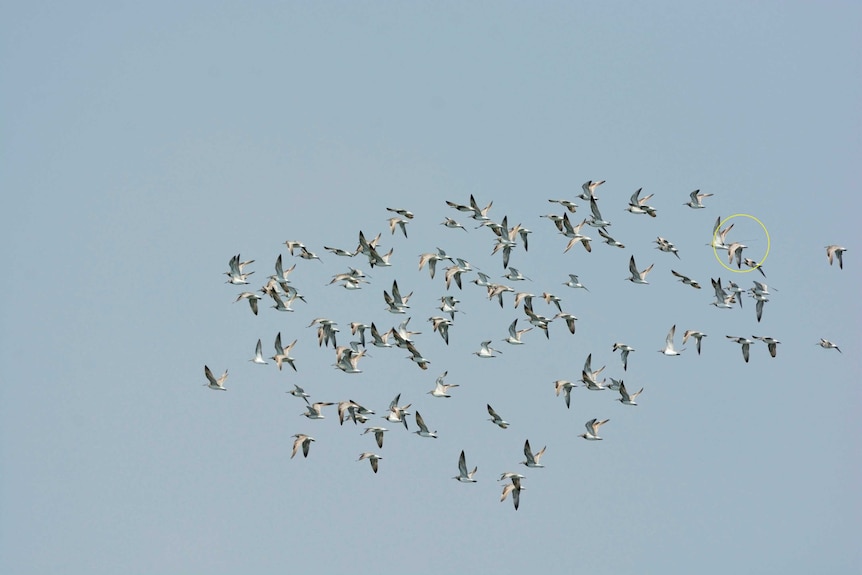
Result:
{"points": [[715, 235]]}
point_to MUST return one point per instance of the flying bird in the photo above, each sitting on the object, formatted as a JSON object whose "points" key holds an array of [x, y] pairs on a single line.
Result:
{"points": [[378, 434], [515, 489], [625, 397], [217, 384], [423, 429], [744, 342], [625, 349], [304, 441], [372, 457], [532, 458], [463, 475], [496, 419], [668, 343], [593, 429], [696, 200], [824, 343], [770, 342], [638, 277], [486, 350], [566, 388], [686, 280], [837, 252], [697, 335]]}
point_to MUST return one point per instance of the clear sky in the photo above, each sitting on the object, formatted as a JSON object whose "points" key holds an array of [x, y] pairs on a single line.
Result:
{"points": [[144, 144]]}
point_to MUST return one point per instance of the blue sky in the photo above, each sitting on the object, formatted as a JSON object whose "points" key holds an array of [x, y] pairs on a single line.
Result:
{"points": [[144, 145]]}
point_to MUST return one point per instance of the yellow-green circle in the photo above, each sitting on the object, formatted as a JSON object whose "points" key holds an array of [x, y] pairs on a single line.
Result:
{"points": [[715, 251]]}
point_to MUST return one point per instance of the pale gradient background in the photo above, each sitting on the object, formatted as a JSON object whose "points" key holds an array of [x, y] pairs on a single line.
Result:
{"points": [[143, 144]]}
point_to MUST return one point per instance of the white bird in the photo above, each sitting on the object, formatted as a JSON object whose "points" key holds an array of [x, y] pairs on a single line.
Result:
{"points": [[380, 340], [770, 342], [313, 411], [574, 282], [569, 319], [463, 475], [523, 233], [450, 223], [735, 250], [252, 298], [280, 305], [824, 343], [744, 342], [668, 343], [754, 265], [378, 434], [609, 240], [566, 388], [479, 214], [552, 299], [515, 334], [496, 419], [282, 354], [719, 238], [666, 246], [298, 392], [836, 251], [514, 275], [281, 276], [400, 223], [758, 307], [639, 205], [396, 302], [359, 327], [625, 397], [304, 441], [372, 457], [596, 220], [638, 277], [589, 188], [578, 238], [235, 275], [218, 384], [431, 259], [307, 255], [569, 205], [532, 458], [401, 212], [486, 350], [515, 489], [258, 354], [441, 389], [696, 200], [340, 252], [347, 410], [347, 359], [686, 280], [441, 325], [723, 299], [760, 289], [625, 349], [525, 297], [735, 290], [423, 429], [589, 377], [593, 429], [697, 335], [397, 414], [292, 245]]}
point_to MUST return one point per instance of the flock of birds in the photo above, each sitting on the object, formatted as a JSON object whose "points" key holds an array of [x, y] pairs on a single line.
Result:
{"points": [[283, 294]]}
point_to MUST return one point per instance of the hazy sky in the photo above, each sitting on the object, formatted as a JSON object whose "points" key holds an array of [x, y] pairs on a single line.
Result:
{"points": [[144, 144]]}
